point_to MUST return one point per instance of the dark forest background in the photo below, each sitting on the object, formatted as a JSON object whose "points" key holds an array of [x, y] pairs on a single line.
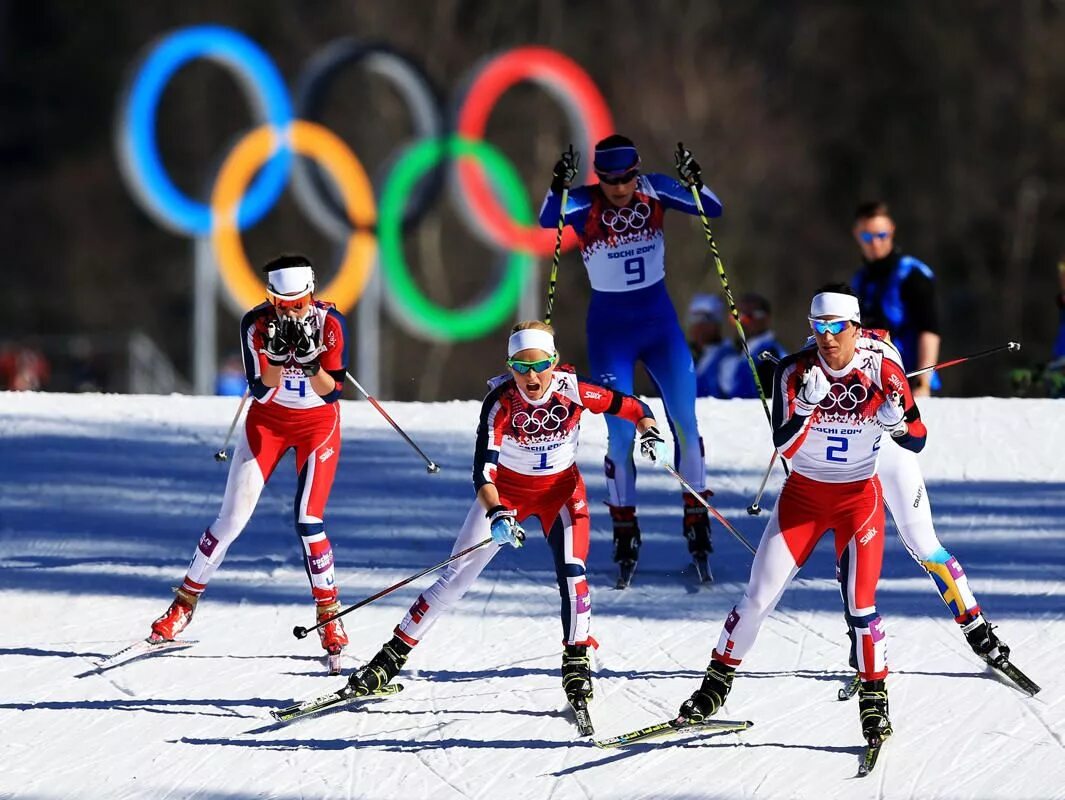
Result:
{"points": [[953, 112]]}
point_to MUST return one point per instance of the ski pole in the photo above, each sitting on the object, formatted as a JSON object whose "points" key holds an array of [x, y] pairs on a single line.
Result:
{"points": [[430, 466], [728, 293], [1011, 346], [754, 510], [221, 454], [300, 632], [710, 508], [553, 279]]}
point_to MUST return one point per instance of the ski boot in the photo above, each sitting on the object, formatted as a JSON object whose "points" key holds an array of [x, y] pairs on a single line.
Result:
{"points": [[379, 671], [711, 694], [983, 641], [577, 684], [176, 619], [334, 637], [576, 673], [697, 532], [873, 711], [626, 542]]}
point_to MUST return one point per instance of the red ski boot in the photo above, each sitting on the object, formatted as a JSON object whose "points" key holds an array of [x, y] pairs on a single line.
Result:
{"points": [[334, 638], [176, 619]]}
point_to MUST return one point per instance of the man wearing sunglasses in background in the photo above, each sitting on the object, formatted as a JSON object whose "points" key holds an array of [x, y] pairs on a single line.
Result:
{"points": [[897, 293], [631, 318], [295, 359]]}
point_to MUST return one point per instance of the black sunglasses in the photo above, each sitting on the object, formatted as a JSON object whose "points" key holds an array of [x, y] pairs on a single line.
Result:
{"points": [[616, 180]]}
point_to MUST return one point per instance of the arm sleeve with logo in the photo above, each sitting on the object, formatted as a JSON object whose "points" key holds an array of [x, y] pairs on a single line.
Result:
{"points": [[601, 400], [893, 379], [335, 358]]}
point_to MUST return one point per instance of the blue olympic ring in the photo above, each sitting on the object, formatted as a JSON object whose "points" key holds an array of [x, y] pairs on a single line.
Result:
{"points": [[139, 155]]}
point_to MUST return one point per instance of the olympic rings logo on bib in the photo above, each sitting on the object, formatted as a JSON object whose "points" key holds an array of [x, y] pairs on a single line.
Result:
{"points": [[541, 420], [620, 220], [844, 398], [343, 204]]}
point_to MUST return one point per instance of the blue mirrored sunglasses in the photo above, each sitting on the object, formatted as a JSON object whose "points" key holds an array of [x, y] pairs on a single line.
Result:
{"points": [[524, 367], [867, 237], [834, 327]]}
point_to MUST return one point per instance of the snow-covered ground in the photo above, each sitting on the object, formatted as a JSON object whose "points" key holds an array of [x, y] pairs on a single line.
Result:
{"points": [[102, 499]]}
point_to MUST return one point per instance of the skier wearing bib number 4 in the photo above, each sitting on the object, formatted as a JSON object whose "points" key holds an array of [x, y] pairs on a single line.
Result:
{"points": [[631, 318], [831, 407], [295, 357]]}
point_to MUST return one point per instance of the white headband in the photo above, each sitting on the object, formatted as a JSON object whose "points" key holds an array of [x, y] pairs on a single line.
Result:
{"points": [[530, 339], [836, 305], [291, 282]]}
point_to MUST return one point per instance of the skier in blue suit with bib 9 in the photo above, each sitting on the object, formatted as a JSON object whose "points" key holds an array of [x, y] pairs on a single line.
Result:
{"points": [[618, 222]]}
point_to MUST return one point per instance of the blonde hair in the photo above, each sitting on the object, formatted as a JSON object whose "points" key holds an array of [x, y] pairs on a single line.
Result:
{"points": [[533, 324]]}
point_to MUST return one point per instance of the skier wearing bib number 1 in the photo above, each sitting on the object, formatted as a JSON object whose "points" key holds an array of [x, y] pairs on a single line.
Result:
{"points": [[831, 407], [618, 223], [295, 358]]}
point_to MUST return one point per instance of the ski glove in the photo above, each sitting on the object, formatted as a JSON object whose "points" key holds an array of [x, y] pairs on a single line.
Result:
{"points": [[277, 346], [814, 389], [892, 415], [653, 446], [565, 170], [505, 527], [688, 168], [308, 346]]}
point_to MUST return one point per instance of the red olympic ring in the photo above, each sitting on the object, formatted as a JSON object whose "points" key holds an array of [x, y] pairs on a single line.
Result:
{"points": [[568, 83]]}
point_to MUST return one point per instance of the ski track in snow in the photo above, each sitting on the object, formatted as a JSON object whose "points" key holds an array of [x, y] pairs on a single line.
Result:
{"points": [[102, 498]]}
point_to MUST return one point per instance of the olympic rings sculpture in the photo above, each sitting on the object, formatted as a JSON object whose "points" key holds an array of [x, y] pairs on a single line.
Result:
{"points": [[486, 188]]}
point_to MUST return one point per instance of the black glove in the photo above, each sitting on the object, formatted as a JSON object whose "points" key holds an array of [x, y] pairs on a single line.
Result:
{"points": [[277, 345], [307, 345], [565, 170], [688, 168]]}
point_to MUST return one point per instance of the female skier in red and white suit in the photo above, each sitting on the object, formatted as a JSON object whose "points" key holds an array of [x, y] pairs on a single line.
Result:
{"points": [[525, 466], [295, 358], [832, 405]]}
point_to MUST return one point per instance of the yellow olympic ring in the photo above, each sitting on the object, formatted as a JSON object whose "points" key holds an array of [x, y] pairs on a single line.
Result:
{"points": [[240, 166]]}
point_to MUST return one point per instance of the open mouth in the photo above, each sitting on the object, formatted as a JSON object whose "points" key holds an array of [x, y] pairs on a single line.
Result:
{"points": [[532, 387]]}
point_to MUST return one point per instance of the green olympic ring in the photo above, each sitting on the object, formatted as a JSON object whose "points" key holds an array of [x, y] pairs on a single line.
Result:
{"points": [[418, 311]]}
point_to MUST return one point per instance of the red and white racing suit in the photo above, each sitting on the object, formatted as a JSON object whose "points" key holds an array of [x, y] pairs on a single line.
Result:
{"points": [[290, 415], [528, 449], [833, 484]]}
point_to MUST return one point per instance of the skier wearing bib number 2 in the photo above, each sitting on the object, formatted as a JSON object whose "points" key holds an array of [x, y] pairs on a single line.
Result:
{"points": [[831, 407], [295, 358], [631, 318]]}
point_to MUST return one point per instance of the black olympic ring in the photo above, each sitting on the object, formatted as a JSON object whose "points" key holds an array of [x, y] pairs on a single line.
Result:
{"points": [[310, 182]]}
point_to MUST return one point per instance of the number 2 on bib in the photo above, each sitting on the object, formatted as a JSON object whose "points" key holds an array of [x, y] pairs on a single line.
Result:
{"points": [[837, 447]]}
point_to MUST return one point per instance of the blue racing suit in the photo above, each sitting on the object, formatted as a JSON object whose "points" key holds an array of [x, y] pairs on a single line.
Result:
{"points": [[631, 318]]}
